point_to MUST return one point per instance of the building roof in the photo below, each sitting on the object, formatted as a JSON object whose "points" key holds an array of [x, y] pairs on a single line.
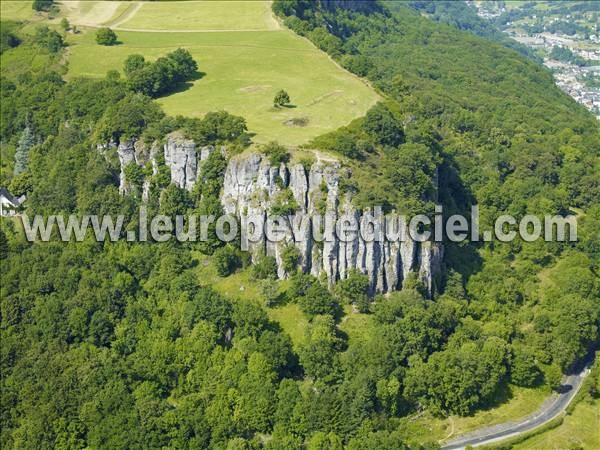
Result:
{"points": [[16, 201]]}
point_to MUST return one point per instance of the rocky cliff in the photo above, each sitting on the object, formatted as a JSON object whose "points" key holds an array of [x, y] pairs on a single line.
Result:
{"points": [[180, 156], [252, 186]]}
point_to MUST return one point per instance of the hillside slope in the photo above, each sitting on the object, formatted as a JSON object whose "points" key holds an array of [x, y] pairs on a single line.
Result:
{"points": [[189, 344], [244, 57]]}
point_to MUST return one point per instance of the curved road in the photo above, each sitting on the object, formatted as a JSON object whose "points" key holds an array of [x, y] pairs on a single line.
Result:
{"points": [[549, 410]]}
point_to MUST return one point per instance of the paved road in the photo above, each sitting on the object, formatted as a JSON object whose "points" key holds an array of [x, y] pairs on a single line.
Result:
{"points": [[548, 411]]}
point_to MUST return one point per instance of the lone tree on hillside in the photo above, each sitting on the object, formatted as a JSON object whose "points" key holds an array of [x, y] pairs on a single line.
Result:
{"points": [[282, 98], [64, 24], [106, 36]]}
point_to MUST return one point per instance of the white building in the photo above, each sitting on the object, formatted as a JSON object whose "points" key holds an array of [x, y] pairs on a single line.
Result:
{"points": [[9, 204]]}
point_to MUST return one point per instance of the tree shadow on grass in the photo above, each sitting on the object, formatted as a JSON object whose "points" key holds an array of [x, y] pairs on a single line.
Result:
{"points": [[281, 300], [503, 394], [276, 108], [183, 86]]}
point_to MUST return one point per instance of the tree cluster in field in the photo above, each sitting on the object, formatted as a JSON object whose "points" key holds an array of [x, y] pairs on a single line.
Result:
{"points": [[12, 36], [106, 36], [161, 76], [49, 39], [42, 5]]}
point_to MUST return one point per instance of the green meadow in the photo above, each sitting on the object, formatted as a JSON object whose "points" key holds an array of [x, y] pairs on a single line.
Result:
{"points": [[580, 429], [242, 67], [202, 15], [13, 10], [242, 71]]}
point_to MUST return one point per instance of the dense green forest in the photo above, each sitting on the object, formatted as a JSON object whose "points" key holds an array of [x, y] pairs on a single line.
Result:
{"points": [[122, 345], [464, 17]]}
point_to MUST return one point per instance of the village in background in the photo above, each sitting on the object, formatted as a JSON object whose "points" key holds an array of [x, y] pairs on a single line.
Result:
{"points": [[566, 35]]}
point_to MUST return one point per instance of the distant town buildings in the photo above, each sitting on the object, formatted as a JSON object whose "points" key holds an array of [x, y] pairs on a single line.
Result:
{"points": [[484, 11], [579, 80]]}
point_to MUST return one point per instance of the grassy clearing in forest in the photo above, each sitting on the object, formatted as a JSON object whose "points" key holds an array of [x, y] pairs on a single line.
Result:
{"points": [[242, 70], [512, 403], [242, 286], [242, 73]]}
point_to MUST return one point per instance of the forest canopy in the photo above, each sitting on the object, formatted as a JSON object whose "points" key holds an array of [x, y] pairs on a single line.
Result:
{"points": [[132, 345]]}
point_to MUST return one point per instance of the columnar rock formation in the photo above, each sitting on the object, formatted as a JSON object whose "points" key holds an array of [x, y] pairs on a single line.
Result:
{"points": [[252, 186], [126, 152], [180, 156], [137, 152]]}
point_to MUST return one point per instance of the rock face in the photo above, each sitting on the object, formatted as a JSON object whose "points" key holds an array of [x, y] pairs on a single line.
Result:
{"points": [[253, 187], [180, 156], [126, 153]]}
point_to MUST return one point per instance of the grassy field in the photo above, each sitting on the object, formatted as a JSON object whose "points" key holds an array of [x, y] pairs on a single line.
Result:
{"points": [[581, 429], [512, 403], [14, 10], [243, 71], [203, 15]]}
